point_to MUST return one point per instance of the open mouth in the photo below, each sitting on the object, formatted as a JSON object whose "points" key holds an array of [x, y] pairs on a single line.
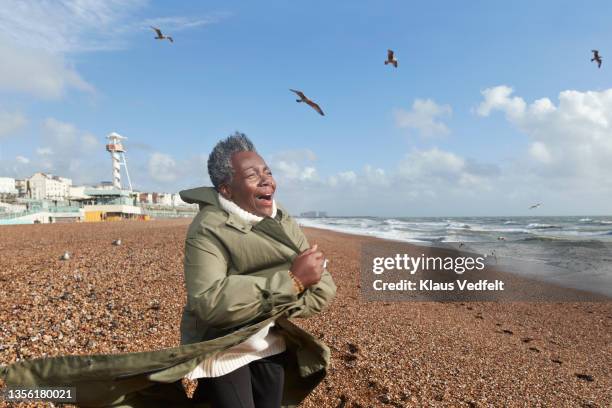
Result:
{"points": [[264, 198]]}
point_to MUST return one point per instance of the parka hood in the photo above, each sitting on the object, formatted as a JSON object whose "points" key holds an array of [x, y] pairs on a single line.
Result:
{"points": [[209, 196], [201, 196]]}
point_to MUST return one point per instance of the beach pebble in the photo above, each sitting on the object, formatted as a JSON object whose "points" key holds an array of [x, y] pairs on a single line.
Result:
{"points": [[383, 353]]}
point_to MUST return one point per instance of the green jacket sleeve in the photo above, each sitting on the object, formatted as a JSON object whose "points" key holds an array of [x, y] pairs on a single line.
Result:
{"points": [[317, 297], [225, 301]]}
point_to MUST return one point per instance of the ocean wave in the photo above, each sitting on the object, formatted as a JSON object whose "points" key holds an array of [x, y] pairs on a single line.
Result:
{"points": [[591, 221], [501, 230], [564, 242], [471, 229], [535, 225], [393, 221], [540, 238], [458, 225]]}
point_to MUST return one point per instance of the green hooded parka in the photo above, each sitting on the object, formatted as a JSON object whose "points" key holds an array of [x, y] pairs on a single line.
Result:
{"points": [[237, 282]]}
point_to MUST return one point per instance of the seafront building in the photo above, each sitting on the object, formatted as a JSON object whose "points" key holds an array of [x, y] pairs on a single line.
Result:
{"points": [[49, 187], [47, 198], [37, 203], [7, 186]]}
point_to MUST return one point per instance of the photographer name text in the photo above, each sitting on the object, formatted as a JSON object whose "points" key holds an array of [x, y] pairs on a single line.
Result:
{"points": [[430, 285]]}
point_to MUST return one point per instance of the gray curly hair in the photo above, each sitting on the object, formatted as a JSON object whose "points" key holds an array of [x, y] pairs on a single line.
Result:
{"points": [[220, 160]]}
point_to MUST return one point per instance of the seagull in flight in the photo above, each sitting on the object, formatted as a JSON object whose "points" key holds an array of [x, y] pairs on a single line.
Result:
{"points": [[596, 57], [303, 98], [160, 36], [391, 59], [535, 206]]}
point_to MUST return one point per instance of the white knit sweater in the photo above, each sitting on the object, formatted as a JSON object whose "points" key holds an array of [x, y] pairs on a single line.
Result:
{"points": [[262, 344]]}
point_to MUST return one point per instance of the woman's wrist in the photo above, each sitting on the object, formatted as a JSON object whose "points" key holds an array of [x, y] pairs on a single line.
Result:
{"points": [[297, 284]]}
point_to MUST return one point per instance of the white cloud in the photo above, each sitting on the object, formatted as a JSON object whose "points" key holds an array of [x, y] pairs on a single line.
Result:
{"points": [[171, 25], [44, 151], [424, 117], [287, 170], [65, 150], [375, 176], [309, 173], [37, 37], [539, 151], [89, 142], [293, 171], [11, 122], [22, 160], [343, 178], [65, 25], [498, 98], [67, 137], [62, 133], [572, 140], [436, 172], [162, 167], [420, 164], [294, 165], [423, 182], [37, 72]]}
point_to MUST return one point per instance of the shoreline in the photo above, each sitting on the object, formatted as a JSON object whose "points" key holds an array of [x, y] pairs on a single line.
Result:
{"points": [[129, 298], [519, 268]]}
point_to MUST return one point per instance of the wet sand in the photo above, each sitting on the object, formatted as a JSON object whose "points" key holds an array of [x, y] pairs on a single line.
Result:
{"points": [[113, 299]]}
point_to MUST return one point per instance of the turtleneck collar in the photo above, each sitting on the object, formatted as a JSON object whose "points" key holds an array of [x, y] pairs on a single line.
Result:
{"points": [[232, 208]]}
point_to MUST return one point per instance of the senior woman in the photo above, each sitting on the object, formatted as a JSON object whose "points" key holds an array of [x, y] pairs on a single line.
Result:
{"points": [[248, 269], [245, 260]]}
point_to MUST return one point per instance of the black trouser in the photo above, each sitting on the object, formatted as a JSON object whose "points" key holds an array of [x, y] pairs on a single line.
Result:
{"points": [[256, 385]]}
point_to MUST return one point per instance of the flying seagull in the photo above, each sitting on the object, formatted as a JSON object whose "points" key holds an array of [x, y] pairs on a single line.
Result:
{"points": [[391, 59], [535, 206], [303, 98], [596, 57], [160, 36]]}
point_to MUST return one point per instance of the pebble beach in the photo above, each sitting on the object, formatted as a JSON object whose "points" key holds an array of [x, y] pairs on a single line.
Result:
{"points": [[126, 298]]}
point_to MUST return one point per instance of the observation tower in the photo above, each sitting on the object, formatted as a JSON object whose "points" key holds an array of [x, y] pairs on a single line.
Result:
{"points": [[115, 148]]}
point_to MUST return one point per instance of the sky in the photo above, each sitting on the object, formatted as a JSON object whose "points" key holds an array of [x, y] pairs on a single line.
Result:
{"points": [[494, 106]]}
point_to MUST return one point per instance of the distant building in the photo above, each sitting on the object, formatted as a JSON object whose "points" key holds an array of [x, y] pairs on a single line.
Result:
{"points": [[78, 192], [46, 186], [161, 199], [177, 201], [105, 185], [23, 188], [314, 214], [164, 199], [145, 198], [7, 185]]}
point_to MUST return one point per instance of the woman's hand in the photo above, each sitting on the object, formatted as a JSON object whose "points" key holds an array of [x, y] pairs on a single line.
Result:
{"points": [[307, 267]]}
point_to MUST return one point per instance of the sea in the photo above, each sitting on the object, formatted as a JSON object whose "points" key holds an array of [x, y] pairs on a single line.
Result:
{"points": [[571, 251]]}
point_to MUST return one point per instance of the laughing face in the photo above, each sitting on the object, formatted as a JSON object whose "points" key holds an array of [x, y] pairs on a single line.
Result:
{"points": [[252, 187]]}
